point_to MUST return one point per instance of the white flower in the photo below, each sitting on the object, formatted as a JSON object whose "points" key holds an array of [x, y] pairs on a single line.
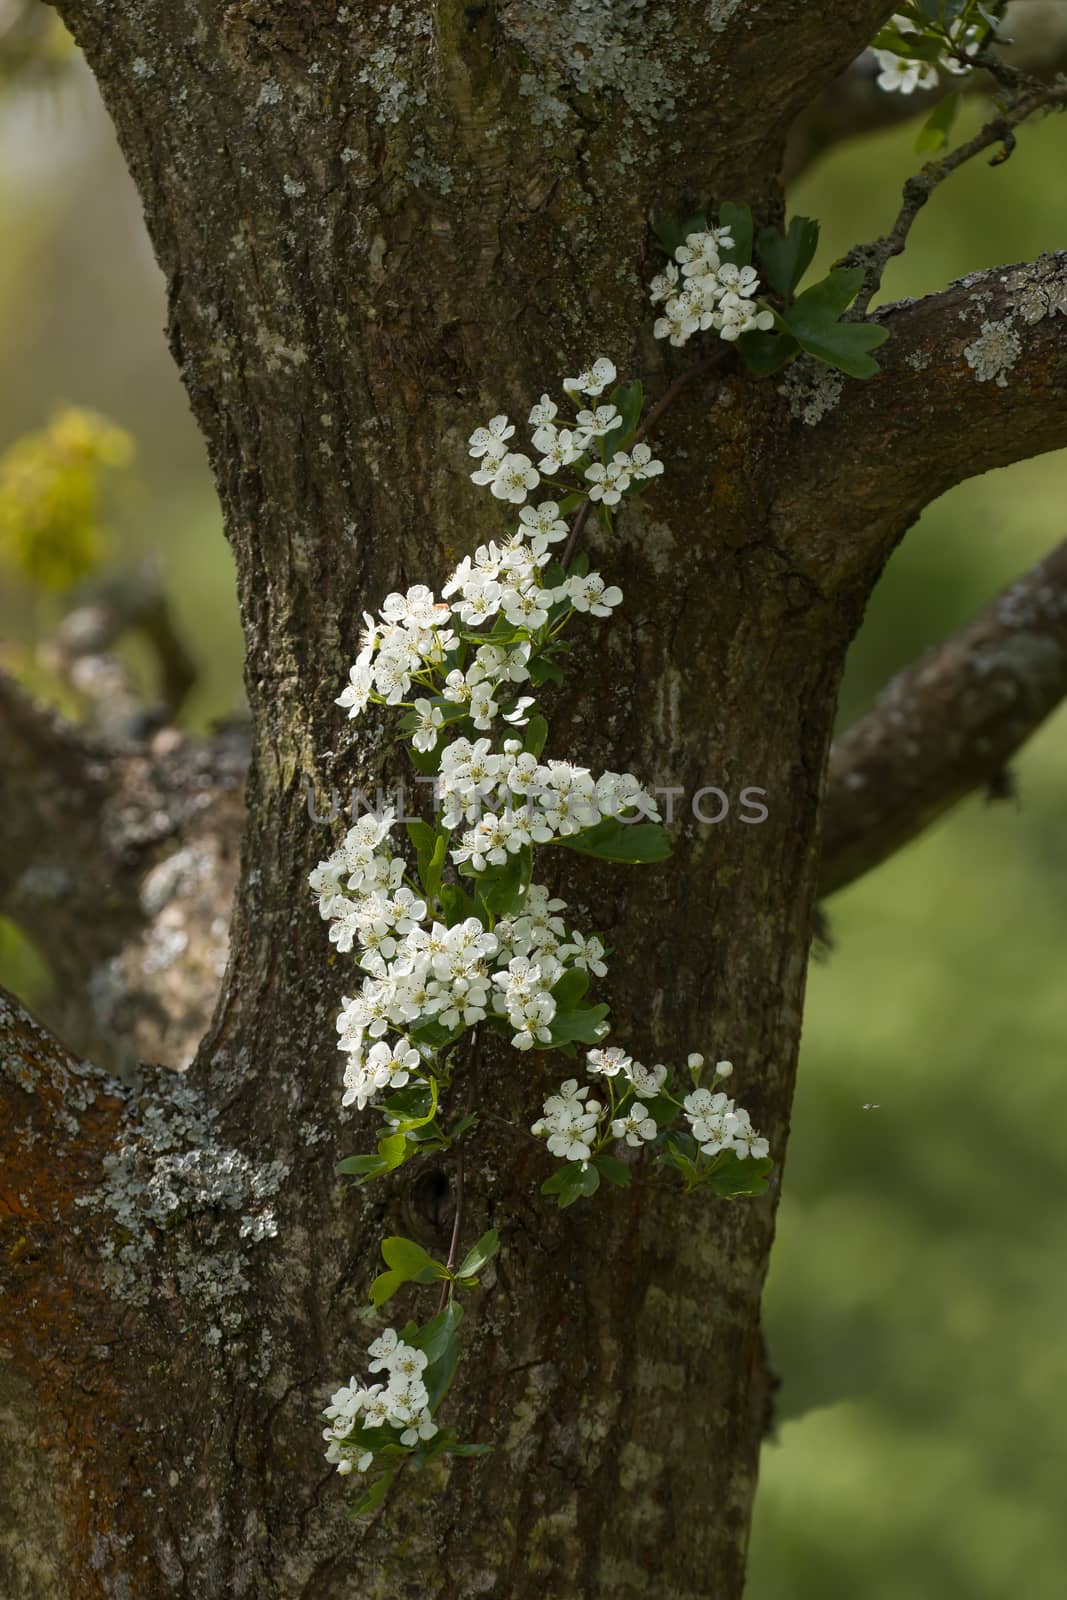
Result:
{"points": [[723, 1069], [424, 1428], [594, 380], [490, 440], [596, 424], [430, 720], [514, 478], [358, 692], [642, 464], [903, 75], [608, 481], [648, 1081], [543, 412], [609, 1063], [636, 1126], [694, 1060], [592, 594], [543, 522]]}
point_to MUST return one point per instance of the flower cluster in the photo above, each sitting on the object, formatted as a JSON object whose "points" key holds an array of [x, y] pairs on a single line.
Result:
{"points": [[698, 291], [904, 74], [563, 442], [401, 1404], [639, 1108], [463, 939]]}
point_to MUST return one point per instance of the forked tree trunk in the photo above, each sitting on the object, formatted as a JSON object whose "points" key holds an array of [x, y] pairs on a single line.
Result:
{"points": [[380, 225]]}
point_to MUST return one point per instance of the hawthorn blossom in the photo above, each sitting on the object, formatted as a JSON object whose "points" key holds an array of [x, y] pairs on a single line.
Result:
{"points": [[594, 380], [903, 75], [491, 440]]}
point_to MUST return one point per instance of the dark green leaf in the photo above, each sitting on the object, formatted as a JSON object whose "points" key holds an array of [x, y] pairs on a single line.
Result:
{"points": [[457, 905], [434, 1336], [786, 258], [570, 988], [613, 840], [739, 221], [374, 1496], [610, 1167], [629, 400], [911, 46], [581, 1027], [764, 352], [542, 670], [935, 131], [813, 321], [671, 231], [479, 1254], [536, 734], [733, 1177]]}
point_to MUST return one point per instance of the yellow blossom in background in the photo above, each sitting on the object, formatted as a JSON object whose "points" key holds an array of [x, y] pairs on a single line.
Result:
{"points": [[51, 492]]}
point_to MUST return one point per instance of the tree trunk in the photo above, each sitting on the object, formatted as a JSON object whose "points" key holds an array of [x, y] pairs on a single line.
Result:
{"points": [[380, 226]]}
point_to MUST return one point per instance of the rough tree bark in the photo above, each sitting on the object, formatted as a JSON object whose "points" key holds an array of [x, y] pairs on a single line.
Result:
{"points": [[378, 225]]}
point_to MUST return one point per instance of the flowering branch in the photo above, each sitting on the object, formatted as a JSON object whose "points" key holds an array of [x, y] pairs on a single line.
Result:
{"points": [[947, 725]]}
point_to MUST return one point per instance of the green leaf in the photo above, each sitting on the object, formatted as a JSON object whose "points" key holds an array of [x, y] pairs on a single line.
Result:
{"points": [[935, 131], [542, 670], [733, 1177], [764, 352], [434, 1336], [479, 1254], [672, 231], [571, 1182], [503, 889], [362, 1167], [786, 258], [586, 1026], [536, 734], [439, 1373], [570, 988], [613, 840], [813, 321], [826, 300], [374, 1496], [386, 1285], [738, 218], [394, 1150], [405, 1255], [912, 46], [460, 1127], [413, 1108], [614, 1170], [629, 400], [422, 836], [457, 906]]}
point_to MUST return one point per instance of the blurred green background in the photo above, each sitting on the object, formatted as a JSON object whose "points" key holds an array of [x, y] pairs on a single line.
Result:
{"points": [[917, 1310]]}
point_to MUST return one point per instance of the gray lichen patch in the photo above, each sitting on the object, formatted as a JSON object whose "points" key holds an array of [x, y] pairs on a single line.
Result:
{"points": [[623, 48], [188, 1207], [811, 389], [995, 352]]}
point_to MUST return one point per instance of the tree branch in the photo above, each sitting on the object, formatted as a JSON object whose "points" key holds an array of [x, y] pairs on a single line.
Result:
{"points": [[999, 130], [853, 106], [947, 725], [972, 378], [118, 860]]}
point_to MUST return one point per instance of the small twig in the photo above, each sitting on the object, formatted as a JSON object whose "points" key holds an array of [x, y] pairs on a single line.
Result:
{"points": [[572, 538], [919, 188]]}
